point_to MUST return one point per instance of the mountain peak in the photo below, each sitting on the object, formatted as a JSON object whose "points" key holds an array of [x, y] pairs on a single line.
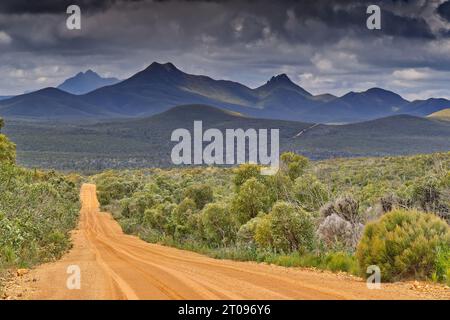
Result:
{"points": [[281, 81], [90, 72], [156, 66], [377, 90], [84, 82], [155, 73], [281, 78], [385, 93]]}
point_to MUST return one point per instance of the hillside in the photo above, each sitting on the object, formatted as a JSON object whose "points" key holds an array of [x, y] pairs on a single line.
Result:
{"points": [[426, 107], [441, 115], [146, 142], [160, 87], [48, 103]]}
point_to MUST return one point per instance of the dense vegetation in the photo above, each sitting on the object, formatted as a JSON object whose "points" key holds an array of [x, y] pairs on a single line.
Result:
{"points": [[37, 211], [342, 214], [145, 142]]}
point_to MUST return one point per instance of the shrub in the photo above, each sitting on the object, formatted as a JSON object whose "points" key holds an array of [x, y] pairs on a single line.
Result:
{"points": [[310, 192], [244, 172], [111, 186], [293, 164], [218, 225], [280, 187], [286, 228], [200, 193], [7, 148], [247, 232], [159, 217], [341, 261], [337, 233], [442, 272], [182, 218], [253, 198], [403, 244], [390, 202], [37, 211], [345, 207], [135, 206], [426, 193]]}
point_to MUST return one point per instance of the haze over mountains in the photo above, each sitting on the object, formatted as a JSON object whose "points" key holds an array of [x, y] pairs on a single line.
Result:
{"points": [[162, 86]]}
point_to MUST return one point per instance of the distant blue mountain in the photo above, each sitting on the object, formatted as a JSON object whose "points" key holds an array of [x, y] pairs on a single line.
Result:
{"points": [[5, 97], [160, 87], [85, 82]]}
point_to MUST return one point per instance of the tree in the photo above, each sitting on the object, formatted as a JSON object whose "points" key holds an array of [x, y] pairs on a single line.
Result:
{"points": [[219, 226], [253, 198], [182, 218]]}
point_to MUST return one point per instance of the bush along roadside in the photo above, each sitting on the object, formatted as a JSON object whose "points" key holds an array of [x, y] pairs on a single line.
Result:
{"points": [[37, 211], [328, 214]]}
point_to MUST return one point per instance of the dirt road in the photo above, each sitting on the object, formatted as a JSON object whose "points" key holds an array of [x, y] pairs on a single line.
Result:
{"points": [[118, 266]]}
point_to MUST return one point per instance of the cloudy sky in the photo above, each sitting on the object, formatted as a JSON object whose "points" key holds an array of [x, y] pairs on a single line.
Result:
{"points": [[324, 46]]}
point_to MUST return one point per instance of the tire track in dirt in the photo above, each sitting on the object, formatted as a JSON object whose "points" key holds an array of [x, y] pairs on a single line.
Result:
{"points": [[118, 266]]}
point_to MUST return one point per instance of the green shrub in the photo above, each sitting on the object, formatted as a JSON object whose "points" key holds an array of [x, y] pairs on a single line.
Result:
{"points": [[280, 187], [341, 261], [293, 164], [111, 186], [159, 217], [247, 232], [7, 148], [183, 219], [37, 211], [403, 244], [244, 172], [253, 198], [286, 228], [218, 224], [200, 193], [442, 272], [310, 192], [426, 193]]}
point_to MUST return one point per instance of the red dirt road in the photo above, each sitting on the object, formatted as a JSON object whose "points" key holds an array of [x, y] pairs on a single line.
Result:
{"points": [[118, 266]]}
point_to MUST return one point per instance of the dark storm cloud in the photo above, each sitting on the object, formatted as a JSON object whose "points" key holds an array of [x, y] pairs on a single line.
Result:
{"points": [[324, 44], [444, 10], [53, 6]]}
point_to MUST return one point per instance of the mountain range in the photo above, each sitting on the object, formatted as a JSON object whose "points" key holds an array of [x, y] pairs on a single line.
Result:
{"points": [[160, 87]]}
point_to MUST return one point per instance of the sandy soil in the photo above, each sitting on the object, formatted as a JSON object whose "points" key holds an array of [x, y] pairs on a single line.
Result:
{"points": [[118, 266]]}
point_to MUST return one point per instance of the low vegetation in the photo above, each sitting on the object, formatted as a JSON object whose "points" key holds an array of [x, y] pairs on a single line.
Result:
{"points": [[342, 214], [37, 211], [406, 244]]}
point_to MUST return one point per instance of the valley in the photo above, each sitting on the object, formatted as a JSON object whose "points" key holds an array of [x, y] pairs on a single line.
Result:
{"points": [[139, 143]]}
